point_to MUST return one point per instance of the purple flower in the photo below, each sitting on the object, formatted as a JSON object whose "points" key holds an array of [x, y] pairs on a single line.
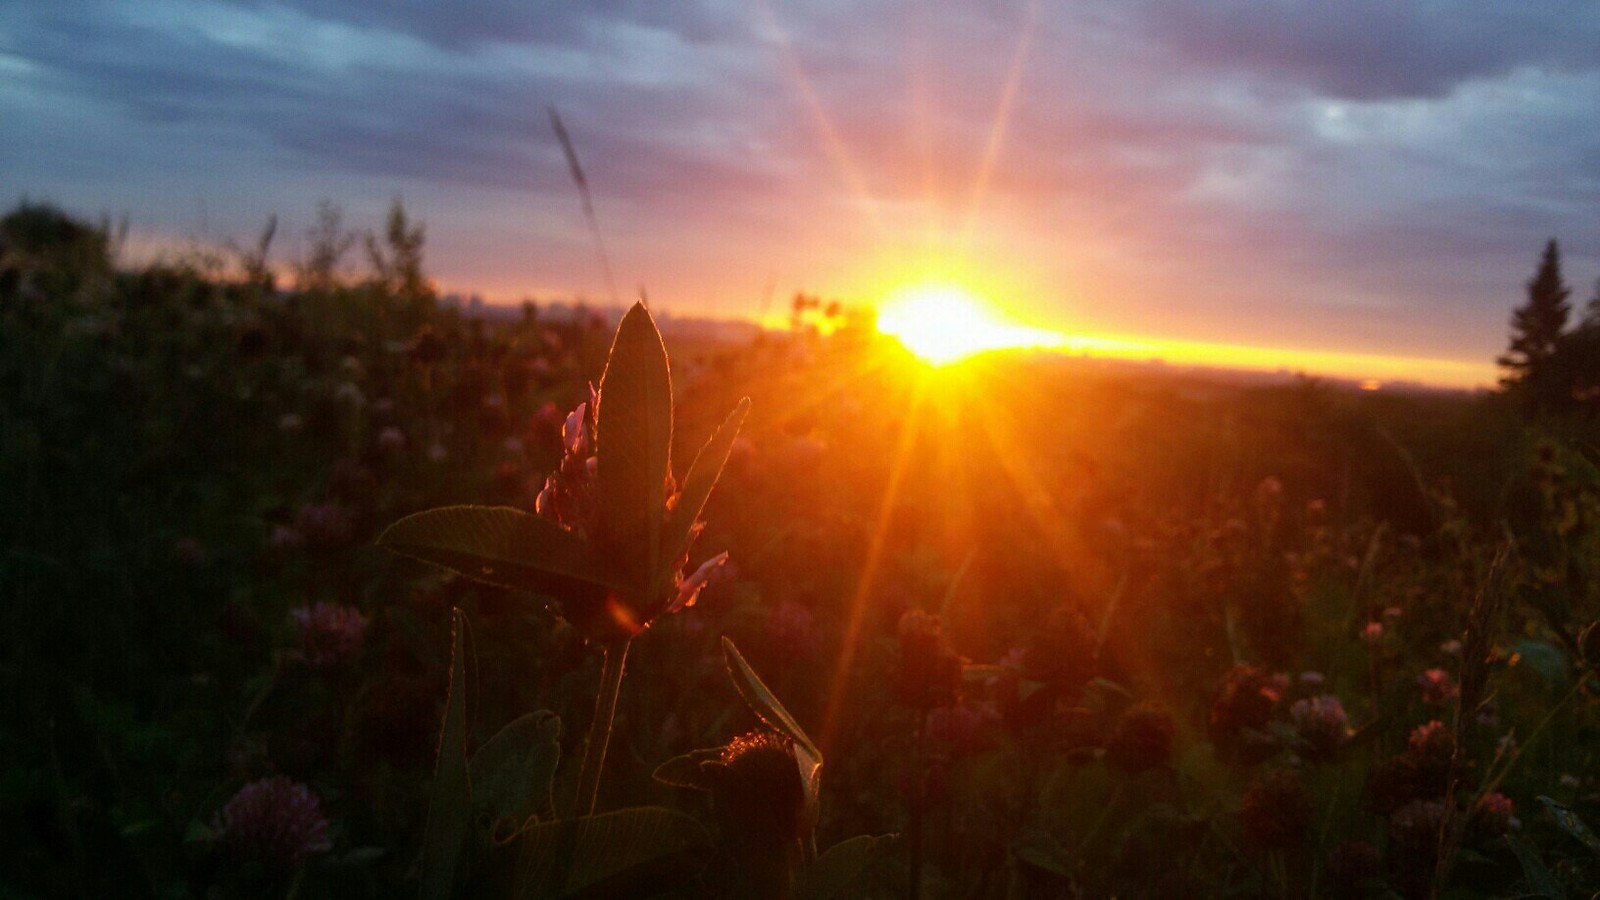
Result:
{"points": [[324, 525], [391, 439], [276, 821], [328, 634], [1276, 811], [1321, 723], [1415, 826]]}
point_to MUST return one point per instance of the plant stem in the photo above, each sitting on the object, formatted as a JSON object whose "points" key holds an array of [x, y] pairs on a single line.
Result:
{"points": [[605, 708], [918, 799]]}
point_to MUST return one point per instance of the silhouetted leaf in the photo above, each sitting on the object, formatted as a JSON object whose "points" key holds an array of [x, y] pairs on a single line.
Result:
{"points": [[499, 545], [512, 772], [699, 481], [1533, 869], [770, 710], [684, 771], [837, 873], [633, 442], [1571, 824], [762, 701], [630, 852], [450, 795]]}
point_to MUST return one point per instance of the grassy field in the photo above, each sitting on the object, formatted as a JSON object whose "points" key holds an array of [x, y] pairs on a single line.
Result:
{"points": [[1061, 630]]}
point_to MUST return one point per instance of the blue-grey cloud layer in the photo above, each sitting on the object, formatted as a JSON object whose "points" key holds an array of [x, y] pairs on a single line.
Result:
{"points": [[1379, 172]]}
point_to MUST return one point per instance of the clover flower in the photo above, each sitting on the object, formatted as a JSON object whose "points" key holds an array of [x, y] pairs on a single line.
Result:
{"points": [[1141, 739], [1321, 723], [328, 634], [1437, 687], [1492, 817], [1241, 707], [275, 821], [1415, 826], [756, 788], [1276, 811], [928, 671]]}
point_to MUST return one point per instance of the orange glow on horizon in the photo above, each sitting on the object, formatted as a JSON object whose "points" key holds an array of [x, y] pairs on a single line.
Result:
{"points": [[1371, 370]]}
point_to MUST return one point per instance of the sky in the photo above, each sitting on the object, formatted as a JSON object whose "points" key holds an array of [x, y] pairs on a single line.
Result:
{"points": [[1363, 180]]}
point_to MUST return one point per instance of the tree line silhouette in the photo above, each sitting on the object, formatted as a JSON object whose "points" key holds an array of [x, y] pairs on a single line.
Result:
{"points": [[1549, 369]]}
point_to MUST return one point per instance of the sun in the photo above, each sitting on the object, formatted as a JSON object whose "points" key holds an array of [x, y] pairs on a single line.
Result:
{"points": [[943, 323]]}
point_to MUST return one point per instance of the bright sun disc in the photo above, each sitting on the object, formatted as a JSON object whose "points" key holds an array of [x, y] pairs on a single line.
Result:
{"points": [[943, 323]]}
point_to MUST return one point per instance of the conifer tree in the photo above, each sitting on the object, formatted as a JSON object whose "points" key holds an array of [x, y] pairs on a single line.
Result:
{"points": [[1537, 326]]}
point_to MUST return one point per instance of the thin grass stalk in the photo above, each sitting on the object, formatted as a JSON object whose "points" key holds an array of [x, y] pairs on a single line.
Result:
{"points": [[1477, 644], [613, 660]]}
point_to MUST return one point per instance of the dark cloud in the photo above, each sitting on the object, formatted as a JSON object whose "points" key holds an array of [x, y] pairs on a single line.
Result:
{"points": [[1377, 49]]}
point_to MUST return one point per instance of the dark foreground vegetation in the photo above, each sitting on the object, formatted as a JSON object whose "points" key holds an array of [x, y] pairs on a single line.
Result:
{"points": [[1009, 629]]}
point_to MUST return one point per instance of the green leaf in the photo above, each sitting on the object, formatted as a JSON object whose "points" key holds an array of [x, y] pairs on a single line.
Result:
{"points": [[633, 442], [617, 854], [513, 771], [1571, 824], [770, 710], [837, 873], [697, 484], [450, 795], [1040, 849], [1533, 869], [685, 772], [1545, 658], [499, 545]]}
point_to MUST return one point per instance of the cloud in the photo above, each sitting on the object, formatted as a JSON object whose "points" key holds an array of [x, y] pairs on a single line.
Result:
{"points": [[1376, 49], [1266, 167]]}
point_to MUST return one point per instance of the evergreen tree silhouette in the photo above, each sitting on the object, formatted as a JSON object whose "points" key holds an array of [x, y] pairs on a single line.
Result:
{"points": [[1536, 329]]}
